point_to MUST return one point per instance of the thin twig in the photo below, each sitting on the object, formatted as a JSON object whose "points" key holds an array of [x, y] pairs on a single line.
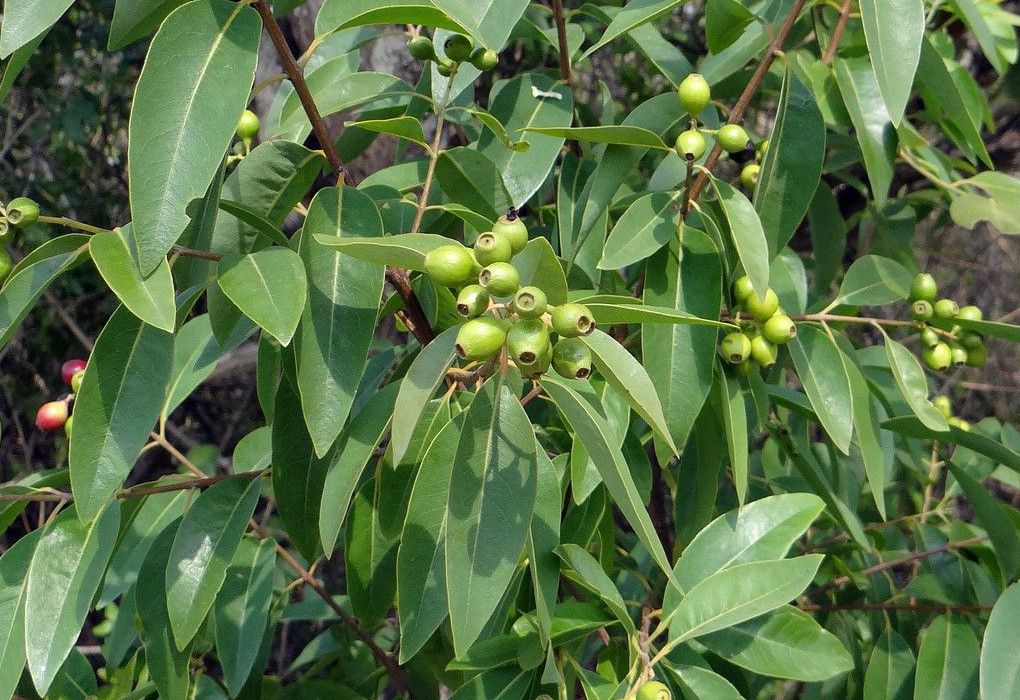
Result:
{"points": [[437, 141], [913, 607], [561, 38], [837, 33], [50, 496]]}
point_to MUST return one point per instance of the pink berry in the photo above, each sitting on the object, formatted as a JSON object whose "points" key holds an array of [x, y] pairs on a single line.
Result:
{"points": [[71, 368]]}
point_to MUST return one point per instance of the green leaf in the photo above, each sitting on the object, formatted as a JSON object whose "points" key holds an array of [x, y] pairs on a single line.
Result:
{"points": [[406, 250], [913, 384], [370, 554], [875, 130], [610, 133], [66, 570], [190, 94], [492, 20], [15, 63], [991, 514], [875, 447], [149, 298], [1000, 674], [241, 610], [890, 669], [26, 20], [874, 281], [470, 178], [343, 14], [196, 354], [404, 127], [894, 31], [14, 564], [33, 274], [786, 643], [996, 329], [497, 684], [543, 538], [489, 513], [340, 311], [947, 661], [911, 427], [997, 201], [820, 367], [608, 313], [792, 167], [647, 225], [746, 232], [134, 19], [626, 375], [828, 237], [740, 593], [702, 683], [354, 449], [202, 550], [591, 429], [421, 559], [725, 21], [418, 386], [634, 14], [538, 265], [269, 286], [589, 573], [728, 398], [117, 406], [978, 20], [253, 219]]}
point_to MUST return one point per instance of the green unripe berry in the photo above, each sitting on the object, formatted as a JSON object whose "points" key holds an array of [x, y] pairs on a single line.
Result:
{"points": [[946, 308], [762, 309], [457, 48], [450, 265], [970, 313], [930, 338], [422, 49], [6, 265], [6, 231], [513, 229], [572, 358], [742, 289], [691, 144], [959, 354], [779, 329], [248, 125], [694, 93], [527, 341], [530, 302], [653, 690], [944, 406], [76, 380], [472, 301], [732, 138], [484, 59], [541, 365], [500, 279], [22, 211], [763, 352], [976, 357], [67, 426], [922, 310], [491, 248], [924, 288], [938, 357], [572, 320], [735, 348], [445, 69], [971, 340], [749, 175], [481, 338], [763, 149], [959, 423]]}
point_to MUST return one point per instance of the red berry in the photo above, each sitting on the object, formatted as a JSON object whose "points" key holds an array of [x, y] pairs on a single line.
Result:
{"points": [[51, 416], [71, 368]]}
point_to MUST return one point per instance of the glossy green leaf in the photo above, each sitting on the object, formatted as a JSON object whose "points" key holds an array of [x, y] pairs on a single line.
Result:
{"points": [[999, 673], [497, 684], [792, 167], [992, 515], [190, 94], [14, 564], [746, 231], [251, 217], [543, 538], [996, 329], [407, 128], [116, 408], [489, 511], [875, 447], [269, 286], [890, 669], [25, 20], [149, 298], [15, 63], [728, 399], [589, 573], [342, 14], [875, 130], [202, 550], [894, 31], [66, 570], [913, 384], [196, 354], [647, 225], [820, 367], [634, 14], [977, 15], [996, 200], [470, 178], [407, 250], [874, 281], [947, 661], [828, 237], [912, 427], [134, 19], [593, 432], [370, 554], [538, 265], [725, 21], [609, 313], [621, 134], [418, 386], [702, 683]]}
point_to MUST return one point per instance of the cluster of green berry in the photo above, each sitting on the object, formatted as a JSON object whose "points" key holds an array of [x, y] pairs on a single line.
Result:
{"points": [[18, 213], [945, 407], [946, 343], [759, 340], [695, 94], [523, 322], [56, 414], [458, 48]]}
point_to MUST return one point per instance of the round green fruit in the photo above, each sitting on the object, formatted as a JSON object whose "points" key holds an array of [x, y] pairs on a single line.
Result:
{"points": [[694, 93], [22, 211], [924, 288], [946, 308], [742, 289], [938, 357], [572, 320], [959, 354], [6, 231], [530, 302], [572, 358], [67, 426], [977, 357], [457, 48], [653, 690], [248, 125], [691, 144], [763, 352], [749, 175], [513, 229], [970, 313], [445, 68], [762, 150], [527, 342], [472, 301], [491, 248], [943, 404], [971, 340], [959, 423], [500, 279], [735, 348], [541, 366], [922, 310], [762, 309], [930, 338], [481, 338], [732, 138], [6, 264], [450, 265], [422, 49], [779, 329], [484, 59], [76, 380]]}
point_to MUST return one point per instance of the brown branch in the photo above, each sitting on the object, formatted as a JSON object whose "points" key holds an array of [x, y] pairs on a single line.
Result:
{"points": [[912, 557], [561, 38], [737, 113], [195, 253], [136, 491], [837, 33], [913, 607]]}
